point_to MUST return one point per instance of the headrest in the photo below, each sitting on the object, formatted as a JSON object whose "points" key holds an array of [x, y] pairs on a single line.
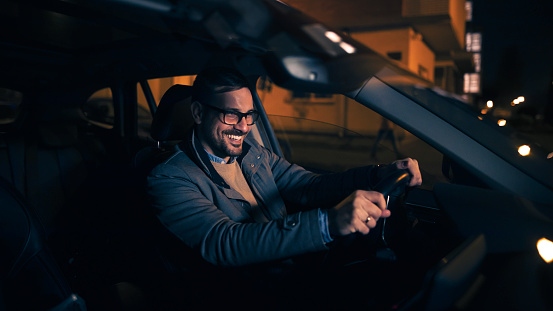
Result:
{"points": [[70, 115], [173, 117]]}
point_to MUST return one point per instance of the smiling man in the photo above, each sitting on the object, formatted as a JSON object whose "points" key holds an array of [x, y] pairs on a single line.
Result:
{"points": [[222, 133], [225, 197]]}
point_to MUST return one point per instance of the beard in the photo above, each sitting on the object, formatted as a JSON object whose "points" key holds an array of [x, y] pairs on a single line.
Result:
{"points": [[221, 145], [231, 149]]}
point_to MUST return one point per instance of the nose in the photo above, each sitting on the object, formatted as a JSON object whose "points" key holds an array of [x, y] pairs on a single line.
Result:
{"points": [[242, 125]]}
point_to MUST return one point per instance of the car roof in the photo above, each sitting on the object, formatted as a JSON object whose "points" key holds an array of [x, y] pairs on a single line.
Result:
{"points": [[76, 38], [59, 40]]}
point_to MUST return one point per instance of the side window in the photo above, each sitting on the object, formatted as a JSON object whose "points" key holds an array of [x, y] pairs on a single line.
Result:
{"points": [[157, 87], [99, 109], [303, 97], [144, 115], [344, 134], [10, 101]]}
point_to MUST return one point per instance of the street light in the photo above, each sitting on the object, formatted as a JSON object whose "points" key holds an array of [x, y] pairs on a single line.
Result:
{"points": [[545, 248], [489, 104], [524, 150], [517, 101]]}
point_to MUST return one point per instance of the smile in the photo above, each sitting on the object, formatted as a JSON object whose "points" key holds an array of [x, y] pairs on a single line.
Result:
{"points": [[234, 137]]}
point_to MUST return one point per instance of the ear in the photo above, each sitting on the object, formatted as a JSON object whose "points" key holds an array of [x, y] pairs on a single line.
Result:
{"points": [[197, 112]]}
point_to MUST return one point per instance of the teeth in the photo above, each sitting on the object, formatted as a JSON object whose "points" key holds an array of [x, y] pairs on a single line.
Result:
{"points": [[234, 137]]}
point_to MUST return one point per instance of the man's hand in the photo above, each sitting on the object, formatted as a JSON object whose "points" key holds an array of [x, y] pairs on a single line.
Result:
{"points": [[362, 209], [357, 213], [412, 166]]}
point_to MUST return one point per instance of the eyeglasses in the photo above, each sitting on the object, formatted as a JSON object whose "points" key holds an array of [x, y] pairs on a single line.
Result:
{"points": [[231, 117]]}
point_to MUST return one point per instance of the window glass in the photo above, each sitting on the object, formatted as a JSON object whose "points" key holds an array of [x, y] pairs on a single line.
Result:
{"points": [[471, 83], [144, 115], [310, 97], [468, 9], [477, 62], [158, 87], [99, 109], [344, 135], [10, 100], [473, 42]]}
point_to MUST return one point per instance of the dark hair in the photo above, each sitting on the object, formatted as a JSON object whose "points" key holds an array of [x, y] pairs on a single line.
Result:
{"points": [[214, 80]]}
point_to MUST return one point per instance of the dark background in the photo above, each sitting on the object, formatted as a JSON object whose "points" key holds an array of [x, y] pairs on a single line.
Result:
{"points": [[517, 51]]}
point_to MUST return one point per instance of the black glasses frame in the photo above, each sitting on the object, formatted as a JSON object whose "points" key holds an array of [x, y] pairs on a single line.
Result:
{"points": [[254, 114]]}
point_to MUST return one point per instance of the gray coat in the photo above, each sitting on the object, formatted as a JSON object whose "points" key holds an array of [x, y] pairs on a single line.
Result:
{"points": [[196, 205]]}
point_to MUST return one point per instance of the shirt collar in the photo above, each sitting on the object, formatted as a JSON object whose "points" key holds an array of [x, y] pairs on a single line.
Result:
{"points": [[214, 158]]}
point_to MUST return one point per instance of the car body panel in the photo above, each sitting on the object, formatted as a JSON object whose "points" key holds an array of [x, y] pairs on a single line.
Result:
{"points": [[445, 136]]}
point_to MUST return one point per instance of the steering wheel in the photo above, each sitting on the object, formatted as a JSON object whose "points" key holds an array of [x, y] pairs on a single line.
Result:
{"points": [[398, 179], [394, 182]]}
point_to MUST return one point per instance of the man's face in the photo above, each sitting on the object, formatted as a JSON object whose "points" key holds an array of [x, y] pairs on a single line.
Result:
{"points": [[218, 138]]}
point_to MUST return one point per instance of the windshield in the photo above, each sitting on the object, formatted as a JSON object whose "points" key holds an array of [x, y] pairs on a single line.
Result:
{"points": [[325, 147], [426, 83], [380, 123], [323, 132]]}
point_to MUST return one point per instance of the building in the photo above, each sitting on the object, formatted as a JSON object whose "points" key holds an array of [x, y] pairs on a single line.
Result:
{"points": [[425, 36]]}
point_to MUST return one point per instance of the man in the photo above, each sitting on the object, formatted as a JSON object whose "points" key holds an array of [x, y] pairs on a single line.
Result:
{"points": [[225, 197]]}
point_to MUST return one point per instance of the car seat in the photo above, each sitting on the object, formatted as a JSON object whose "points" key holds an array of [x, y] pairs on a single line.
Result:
{"points": [[170, 124], [29, 275], [154, 250]]}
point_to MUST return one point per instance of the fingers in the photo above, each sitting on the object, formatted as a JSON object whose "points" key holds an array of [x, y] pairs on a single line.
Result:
{"points": [[412, 166], [360, 212], [363, 221], [372, 207]]}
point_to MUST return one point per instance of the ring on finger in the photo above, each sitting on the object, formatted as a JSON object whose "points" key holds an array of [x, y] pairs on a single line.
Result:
{"points": [[368, 219]]}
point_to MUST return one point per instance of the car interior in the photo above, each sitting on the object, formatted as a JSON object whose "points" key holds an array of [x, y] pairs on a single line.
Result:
{"points": [[76, 230], [100, 228], [27, 257], [87, 191]]}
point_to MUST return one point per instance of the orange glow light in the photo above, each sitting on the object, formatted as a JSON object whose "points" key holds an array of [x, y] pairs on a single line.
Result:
{"points": [[545, 248], [524, 150]]}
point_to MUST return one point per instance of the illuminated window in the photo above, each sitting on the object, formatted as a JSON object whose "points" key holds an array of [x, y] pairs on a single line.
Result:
{"points": [[468, 9], [474, 42], [477, 57], [471, 83]]}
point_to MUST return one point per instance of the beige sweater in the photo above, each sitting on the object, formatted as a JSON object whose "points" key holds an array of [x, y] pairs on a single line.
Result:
{"points": [[232, 174]]}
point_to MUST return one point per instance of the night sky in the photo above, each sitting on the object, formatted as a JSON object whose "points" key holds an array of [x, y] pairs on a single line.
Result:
{"points": [[518, 32]]}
